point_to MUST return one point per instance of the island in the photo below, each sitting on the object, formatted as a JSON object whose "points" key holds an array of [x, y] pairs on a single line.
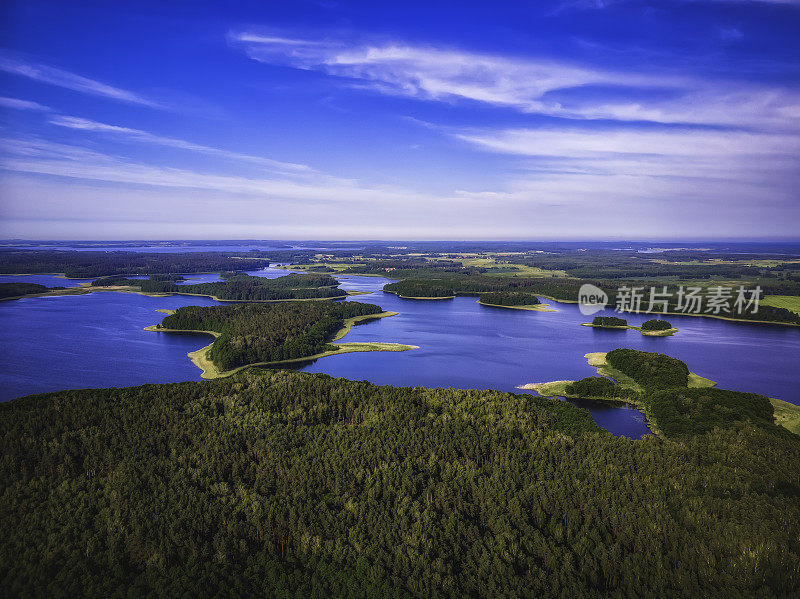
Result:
{"points": [[513, 300], [653, 328], [252, 334]]}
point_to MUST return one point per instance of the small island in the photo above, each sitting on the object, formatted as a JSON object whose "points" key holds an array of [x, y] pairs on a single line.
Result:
{"points": [[652, 328], [249, 335], [513, 300]]}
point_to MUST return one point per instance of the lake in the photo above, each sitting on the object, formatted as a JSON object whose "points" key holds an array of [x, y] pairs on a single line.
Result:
{"points": [[97, 340]]}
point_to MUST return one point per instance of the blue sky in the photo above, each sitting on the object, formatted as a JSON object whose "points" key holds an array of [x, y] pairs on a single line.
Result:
{"points": [[668, 119]]}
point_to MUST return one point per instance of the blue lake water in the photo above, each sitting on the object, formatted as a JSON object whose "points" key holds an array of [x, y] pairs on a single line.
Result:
{"points": [[97, 340]]}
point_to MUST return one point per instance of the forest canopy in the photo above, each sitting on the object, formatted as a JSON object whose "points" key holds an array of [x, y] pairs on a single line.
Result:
{"points": [[286, 484]]}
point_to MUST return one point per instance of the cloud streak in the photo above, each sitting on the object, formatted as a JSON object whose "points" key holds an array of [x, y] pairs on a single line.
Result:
{"points": [[531, 85], [137, 135], [65, 79]]}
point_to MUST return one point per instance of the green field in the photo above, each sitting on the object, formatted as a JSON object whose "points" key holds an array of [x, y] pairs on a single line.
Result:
{"points": [[790, 302]]}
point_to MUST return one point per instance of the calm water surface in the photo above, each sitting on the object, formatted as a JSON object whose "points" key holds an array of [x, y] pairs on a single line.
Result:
{"points": [[97, 340]]}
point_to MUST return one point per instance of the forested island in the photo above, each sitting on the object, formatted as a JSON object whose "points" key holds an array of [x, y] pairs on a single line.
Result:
{"points": [[510, 299], [15, 290], [654, 327], [279, 483], [250, 334]]}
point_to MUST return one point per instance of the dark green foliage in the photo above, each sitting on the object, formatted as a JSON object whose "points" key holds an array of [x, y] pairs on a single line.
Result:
{"points": [[252, 333], [98, 264], [597, 386], [609, 321], [16, 289], [243, 287], [651, 370], [696, 411], [284, 484], [509, 298], [115, 281], [655, 324], [564, 289]]}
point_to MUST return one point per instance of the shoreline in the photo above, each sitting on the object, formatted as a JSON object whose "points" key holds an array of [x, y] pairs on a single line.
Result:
{"points": [[444, 297], [531, 307], [210, 371]]}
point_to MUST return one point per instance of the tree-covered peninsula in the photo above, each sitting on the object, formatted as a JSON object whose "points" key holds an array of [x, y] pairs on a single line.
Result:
{"points": [[263, 333], [286, 484], [13, 290]]}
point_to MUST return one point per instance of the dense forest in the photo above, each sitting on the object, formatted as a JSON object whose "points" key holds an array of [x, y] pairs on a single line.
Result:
{"points": [[508, 298], [567, 289], [286, 484], [244, 287], [649, 369], [609, 321], [681, 412], [655, 324], [252, 333], [597, 386]]}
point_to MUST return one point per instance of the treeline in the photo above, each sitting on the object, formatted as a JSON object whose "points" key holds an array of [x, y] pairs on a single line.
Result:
{"points": [[631, 264], [16, 289], [567, 289], [649, 369], [508, 298], [285, 484], [97, 264], [249, 288], [252, 333]]}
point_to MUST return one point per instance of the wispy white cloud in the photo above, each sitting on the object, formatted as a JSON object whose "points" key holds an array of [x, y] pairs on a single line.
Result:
{"points": [[532, 85], [17, 104], [61, 78], [38, 156], [138, 135]]}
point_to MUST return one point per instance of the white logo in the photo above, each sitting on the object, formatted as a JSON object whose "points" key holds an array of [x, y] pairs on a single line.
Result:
{"points": [[591, 299]]}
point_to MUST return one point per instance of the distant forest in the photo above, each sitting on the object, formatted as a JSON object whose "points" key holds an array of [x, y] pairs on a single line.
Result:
{"points": [[97, 264], [285, 484], [559, 289]]}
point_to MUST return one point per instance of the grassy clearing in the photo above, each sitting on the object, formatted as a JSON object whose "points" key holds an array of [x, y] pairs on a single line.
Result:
{"points": [[790, 302], [786, 415]]}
